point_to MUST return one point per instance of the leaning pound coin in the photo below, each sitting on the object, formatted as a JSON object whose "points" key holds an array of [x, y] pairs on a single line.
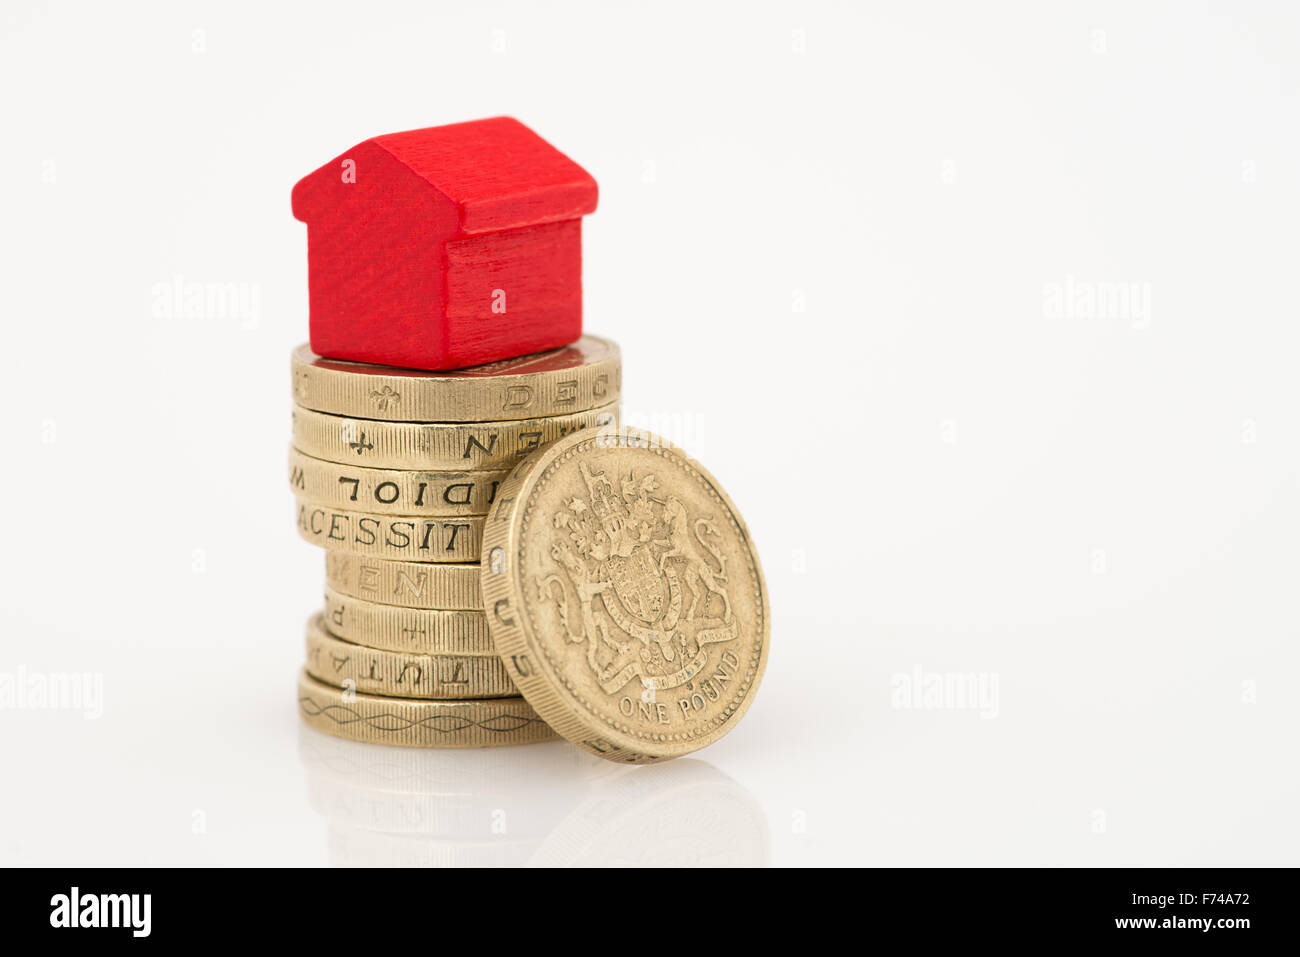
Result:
{"points": [[624, 594]]}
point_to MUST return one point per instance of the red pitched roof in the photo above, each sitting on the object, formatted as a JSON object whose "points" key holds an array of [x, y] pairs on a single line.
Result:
{"points": [[498, 173]]}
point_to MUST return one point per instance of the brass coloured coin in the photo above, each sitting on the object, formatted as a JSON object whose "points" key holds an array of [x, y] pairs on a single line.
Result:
{"points": [[401, 537], [481, 446], [376, 719], [411, 630], [401, 674], [583, 375], [392, 491], [625, 596], [441, 586]]}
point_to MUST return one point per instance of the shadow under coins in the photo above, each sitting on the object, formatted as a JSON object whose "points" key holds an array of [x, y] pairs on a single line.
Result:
{"points": [[539, 805]]}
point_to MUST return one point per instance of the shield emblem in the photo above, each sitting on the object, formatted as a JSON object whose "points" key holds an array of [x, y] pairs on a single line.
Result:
{"points": [[639, 585]]}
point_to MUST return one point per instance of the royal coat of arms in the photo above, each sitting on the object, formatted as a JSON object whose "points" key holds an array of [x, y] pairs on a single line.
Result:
{"points": [[631, 560]]}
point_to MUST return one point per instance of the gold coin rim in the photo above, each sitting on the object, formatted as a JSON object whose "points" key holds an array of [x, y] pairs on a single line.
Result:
{"points": [[341, 387], [317, 635], [537, 729], [299, 459], [373, 625], [460, 573], [433, 446], [459, 556]]}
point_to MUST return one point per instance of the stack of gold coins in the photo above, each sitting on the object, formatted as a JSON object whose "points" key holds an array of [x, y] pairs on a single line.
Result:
{"points": [[394, 471]]}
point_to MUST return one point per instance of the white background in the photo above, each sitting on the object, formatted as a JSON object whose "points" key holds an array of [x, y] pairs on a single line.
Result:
{"points": [[847, 251]]}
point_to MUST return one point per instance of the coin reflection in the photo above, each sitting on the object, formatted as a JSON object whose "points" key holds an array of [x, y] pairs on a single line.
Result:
{"points": [[540, 805], [685, 813]]}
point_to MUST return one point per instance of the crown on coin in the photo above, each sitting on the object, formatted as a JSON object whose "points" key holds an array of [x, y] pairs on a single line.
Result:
{"points": [[605, 504]]}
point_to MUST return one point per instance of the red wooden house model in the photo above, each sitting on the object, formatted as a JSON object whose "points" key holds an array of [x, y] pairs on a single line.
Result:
{"points": [[445, 247]]}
